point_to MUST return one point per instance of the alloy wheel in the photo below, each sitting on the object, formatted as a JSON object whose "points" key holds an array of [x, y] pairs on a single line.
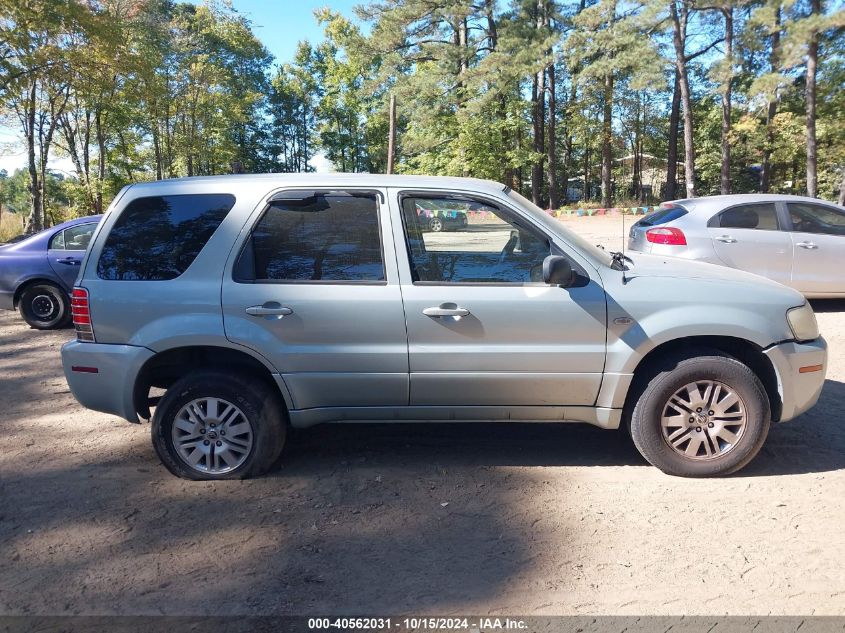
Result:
{"points": [[703, 420], [212, 435]]}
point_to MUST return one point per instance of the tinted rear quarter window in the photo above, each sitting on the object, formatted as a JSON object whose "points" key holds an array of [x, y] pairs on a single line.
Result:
{"points": [[330, 236], [157, 238]]}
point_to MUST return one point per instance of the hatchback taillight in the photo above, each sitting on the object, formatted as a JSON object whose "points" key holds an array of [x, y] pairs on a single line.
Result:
{"points": [[666, 235], [81, 315]]}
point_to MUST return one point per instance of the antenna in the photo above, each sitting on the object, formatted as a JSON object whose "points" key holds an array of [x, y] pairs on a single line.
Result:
{"points": [[624, 279], [623, 234]]}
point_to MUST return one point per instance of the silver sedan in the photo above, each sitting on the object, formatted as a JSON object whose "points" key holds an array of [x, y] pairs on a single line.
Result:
{"points": [[797, 241]]}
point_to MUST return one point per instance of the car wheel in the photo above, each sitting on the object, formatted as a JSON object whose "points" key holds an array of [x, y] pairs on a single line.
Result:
{"points": [[702, 416], [436, 225], [214, 425], [44, 306]]}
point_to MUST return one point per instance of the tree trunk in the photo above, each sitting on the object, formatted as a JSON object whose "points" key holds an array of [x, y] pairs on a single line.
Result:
{"points": [[841, 200], [810, 96], [636, 150], [671, 187], [391, 134], [771, 111], [554, 201], [606, 143], [35, 221], [679, 24], [570, 140], [101, 162], [502, 104], [538, 97], [585, 190], [725, 176]]}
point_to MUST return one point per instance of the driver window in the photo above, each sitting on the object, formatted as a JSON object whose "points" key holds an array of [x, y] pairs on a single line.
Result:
{"points": [[459, 240]]}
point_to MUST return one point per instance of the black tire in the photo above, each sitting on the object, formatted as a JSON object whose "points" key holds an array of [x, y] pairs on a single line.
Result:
{"points": [[44, 306], [261, 406], [666, 381], [436, 225]]}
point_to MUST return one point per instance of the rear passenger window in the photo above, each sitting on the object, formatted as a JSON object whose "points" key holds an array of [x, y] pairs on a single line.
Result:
{"points": [[307, 236], [77, 238], [749, 216], [157, 238]]}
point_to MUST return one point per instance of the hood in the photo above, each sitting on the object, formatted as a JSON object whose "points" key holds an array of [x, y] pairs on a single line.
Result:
{"points": [[674, 267]]}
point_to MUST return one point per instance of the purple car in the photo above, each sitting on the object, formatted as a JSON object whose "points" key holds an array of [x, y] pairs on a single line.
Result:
{"points": [[37, 272]]}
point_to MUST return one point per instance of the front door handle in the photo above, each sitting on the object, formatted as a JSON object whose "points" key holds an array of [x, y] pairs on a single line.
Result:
{"points": [[808, 245], [446, 310], [727, 239], [269, 309], [69, 261]]}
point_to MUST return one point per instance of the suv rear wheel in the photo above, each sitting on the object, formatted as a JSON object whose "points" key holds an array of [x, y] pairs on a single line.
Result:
{"points": [[702, 416], [211, 425], [44, 306]]}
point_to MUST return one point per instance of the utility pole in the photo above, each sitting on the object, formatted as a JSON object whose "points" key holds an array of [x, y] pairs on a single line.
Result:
{"points": [[391, 135]]}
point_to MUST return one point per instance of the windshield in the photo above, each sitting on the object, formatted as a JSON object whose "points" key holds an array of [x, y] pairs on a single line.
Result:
{"points": [[595, 252]]}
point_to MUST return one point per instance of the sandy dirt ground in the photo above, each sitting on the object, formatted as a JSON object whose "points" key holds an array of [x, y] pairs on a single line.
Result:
{"points": [[425, 519]]}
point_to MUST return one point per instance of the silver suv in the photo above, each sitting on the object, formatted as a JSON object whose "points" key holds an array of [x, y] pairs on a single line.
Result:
{"points": [[258, 302]]}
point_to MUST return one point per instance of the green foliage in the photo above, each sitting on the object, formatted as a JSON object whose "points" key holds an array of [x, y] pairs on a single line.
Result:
{"points": [[141, 90]]}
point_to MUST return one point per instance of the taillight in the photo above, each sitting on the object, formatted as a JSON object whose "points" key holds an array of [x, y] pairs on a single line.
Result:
{"points": [[666, 235], [81, 312]]}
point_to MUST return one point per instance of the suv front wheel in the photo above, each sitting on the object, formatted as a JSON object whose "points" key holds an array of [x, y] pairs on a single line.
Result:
{"points": [[211, 425], [702, 416]]}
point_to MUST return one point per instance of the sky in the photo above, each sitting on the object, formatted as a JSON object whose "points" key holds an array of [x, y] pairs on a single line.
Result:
{"points": [[279, 24]]}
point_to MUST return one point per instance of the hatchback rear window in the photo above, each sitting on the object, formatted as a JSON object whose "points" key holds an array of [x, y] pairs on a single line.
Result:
{"points": [[663, 216], [158, 237]]}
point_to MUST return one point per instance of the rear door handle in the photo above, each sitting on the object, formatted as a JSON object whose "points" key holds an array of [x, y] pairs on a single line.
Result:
{"points": [[444, 311], [808, 245], [69, 261], [271, 309], [727, 239]]}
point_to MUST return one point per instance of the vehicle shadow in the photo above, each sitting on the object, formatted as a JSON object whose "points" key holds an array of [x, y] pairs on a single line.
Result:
{"points": [[458, 444], [828, 305], [811, 443]]}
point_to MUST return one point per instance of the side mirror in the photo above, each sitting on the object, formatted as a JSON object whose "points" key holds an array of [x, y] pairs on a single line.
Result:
{"points": [[557, 271]]}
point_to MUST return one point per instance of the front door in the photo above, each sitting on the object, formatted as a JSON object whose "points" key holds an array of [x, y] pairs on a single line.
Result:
{"points": [[751, 237], [314, 291], [483, 329], [66, 250], [818, 236]]}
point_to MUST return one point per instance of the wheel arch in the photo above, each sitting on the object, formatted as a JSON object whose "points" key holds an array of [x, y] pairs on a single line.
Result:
{"points": [[167, 366], [32, 281], [745, 351]]}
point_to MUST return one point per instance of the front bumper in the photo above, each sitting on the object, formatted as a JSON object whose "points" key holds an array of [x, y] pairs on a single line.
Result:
{"points": [[111, 389], [798, 391]]}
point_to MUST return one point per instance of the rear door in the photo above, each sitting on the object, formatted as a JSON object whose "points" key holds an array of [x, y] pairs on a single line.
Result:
{"points": [[315, 291], [752, 237], [483, 328], [818, 236], [66, 250]]}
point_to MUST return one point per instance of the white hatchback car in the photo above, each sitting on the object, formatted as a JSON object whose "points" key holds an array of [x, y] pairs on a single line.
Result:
{"points": [[797, 241]]}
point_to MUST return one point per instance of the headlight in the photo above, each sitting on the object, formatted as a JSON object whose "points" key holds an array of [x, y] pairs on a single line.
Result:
{"points": [[802, 322]]}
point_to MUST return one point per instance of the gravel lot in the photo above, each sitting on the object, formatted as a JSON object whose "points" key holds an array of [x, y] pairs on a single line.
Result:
{"points": [[446, 519]]}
